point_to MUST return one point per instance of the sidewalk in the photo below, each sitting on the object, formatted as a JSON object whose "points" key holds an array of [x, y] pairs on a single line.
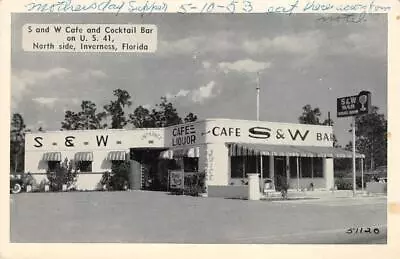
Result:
{"points": [[320, 194]]}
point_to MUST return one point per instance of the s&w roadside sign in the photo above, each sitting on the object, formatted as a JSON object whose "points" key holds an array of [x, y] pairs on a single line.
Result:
{"points": [[354, 105]]}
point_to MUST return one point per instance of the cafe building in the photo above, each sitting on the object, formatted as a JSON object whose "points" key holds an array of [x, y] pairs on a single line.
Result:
{"points": [[226, 150]]}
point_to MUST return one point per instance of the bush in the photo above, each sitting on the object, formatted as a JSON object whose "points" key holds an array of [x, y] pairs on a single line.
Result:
{"points": [[118, 178], [344, 184], [195, 184], [283, 186], [63, 174], [105, 181]]}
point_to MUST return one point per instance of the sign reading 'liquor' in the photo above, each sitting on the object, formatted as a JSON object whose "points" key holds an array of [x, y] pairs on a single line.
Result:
{"points": [[354, 105]]}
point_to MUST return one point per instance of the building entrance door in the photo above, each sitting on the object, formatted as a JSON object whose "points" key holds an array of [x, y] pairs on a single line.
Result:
{"points": [[145, 172]]}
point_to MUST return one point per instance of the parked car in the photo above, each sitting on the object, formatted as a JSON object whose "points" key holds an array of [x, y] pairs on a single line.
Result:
{"points": [[16, 183], [377, 175]]}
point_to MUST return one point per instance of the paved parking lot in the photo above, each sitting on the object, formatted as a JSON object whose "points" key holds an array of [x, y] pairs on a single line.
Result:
{"points": [[142, 217]]}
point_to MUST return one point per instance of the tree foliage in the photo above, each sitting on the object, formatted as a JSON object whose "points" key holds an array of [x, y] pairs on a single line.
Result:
{"points": [[141, 118], [86, 118], [190, 118], [17, 142], [371, 138], [310, 115], [116, 108], [163, 115]]}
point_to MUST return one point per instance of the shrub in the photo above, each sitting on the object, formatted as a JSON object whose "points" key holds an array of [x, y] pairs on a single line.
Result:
{"points": [[105, 181], [283, 186], [344, 184], [63, 174], [42, 184], [118, 178], [28, 179], [195, 184]]}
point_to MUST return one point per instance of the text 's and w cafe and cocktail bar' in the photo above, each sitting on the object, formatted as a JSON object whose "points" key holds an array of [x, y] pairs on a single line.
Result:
{"points": [[226, 150]]}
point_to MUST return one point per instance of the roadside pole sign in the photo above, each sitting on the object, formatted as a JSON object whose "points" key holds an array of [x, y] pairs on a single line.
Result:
{"points": [[352, 106]]}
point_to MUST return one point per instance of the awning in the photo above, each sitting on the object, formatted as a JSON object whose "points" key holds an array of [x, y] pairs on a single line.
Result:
{"points": [[330, 152], [167, 154], [239, 149], [181, 152], [116, 156], [52, 156], [84, 156], [263, 149]]}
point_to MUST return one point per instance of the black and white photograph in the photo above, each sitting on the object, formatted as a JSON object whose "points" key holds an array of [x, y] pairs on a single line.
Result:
{"points": [[198, 129]]}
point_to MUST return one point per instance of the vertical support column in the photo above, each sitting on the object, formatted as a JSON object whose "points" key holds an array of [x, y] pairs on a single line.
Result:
{"points": [[262, 173], [298, 173], [203, 164], [312, 168], [218, 164], [244, 166], [362, 174], [272, 170], [135, 176], [327, 167], [287, 167]]}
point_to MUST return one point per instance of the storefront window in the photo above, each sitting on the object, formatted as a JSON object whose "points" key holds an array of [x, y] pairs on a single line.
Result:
{"points": [[242, 165], [191, 164], [237, 168], [174, 164], [84, 166], [117, 162], [53, 165], [306, 167], [293, 167], [318, 167]]}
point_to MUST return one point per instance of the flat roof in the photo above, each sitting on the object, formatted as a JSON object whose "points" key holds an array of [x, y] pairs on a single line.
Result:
{"points": [[194, 122]]}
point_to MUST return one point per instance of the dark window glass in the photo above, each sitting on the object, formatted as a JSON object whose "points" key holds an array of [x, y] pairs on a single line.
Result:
{"points": [[318, 167], [174, 164], [293, 167], [117, 162], [53, 165], [191, 164], [265, 166], [242, 165], [305, 167], [84, 166], [251, 165], [237, 168]]}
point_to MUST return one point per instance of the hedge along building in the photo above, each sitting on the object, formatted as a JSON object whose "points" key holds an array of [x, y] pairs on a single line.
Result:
{"points": [[226, 150]]}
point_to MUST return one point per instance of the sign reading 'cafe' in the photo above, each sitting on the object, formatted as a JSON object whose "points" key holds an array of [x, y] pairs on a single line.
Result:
{"points": [[354, 105]]}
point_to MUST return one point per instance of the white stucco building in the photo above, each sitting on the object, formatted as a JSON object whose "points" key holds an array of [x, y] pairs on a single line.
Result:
{"points": [[225, 149]]}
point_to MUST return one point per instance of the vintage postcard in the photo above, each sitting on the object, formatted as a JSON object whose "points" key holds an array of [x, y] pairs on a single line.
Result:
{"points": [[197, 123]]}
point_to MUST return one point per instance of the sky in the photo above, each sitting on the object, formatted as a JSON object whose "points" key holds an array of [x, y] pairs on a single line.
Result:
{"points": [[208, 65]]}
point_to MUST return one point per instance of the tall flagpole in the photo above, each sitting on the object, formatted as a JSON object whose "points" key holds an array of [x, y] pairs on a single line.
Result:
{"points": [[258, 118], [258, 96], [354, 155]]}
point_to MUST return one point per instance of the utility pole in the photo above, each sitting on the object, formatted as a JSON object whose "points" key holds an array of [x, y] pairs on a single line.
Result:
{"points": [[329, 119]]}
